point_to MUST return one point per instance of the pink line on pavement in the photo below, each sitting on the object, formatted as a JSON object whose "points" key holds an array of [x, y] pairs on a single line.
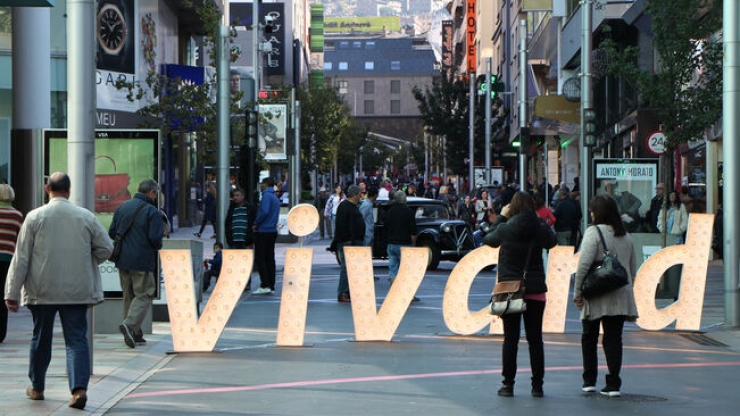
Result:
{"points": [[399, 377]]}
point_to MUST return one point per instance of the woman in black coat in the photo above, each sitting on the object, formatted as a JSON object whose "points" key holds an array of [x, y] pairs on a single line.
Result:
{"points": [[521, 234]]}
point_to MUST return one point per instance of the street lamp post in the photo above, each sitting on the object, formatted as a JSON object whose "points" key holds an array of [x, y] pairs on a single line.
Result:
{"points": [[587, 114]]}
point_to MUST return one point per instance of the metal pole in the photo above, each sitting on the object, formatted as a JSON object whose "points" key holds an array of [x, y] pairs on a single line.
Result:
{"points": [[731, 129], [488, 121], [81, 118], [223, 102], [471, 131], [295, 177], [522, 103], [586, 46]]}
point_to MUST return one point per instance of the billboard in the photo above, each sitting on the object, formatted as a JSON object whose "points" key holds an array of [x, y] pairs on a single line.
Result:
{"points": [[123, 158], [631, 182], [273, 130]]}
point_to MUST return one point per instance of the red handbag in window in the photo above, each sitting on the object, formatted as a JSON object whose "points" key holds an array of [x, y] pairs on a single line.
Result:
{"points": [[111, 190]]}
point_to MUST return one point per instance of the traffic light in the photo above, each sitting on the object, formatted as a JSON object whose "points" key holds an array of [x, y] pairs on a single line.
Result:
{"points": [[496, 86], [252, 129], [589, 127]]}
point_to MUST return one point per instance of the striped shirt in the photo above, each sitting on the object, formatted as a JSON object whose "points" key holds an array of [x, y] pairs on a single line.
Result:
{"points": [[10, 223], [239, 224]]}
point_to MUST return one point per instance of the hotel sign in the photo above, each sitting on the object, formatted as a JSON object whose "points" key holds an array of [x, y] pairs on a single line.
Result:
{"points": [[470, 24]]}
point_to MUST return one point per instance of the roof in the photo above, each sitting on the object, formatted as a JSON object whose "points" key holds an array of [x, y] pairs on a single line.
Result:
{"points": [[390, 56]]}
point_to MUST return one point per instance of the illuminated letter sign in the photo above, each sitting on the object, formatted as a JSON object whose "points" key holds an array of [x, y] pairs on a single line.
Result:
{"points": [[192, 334], [470, 37]]}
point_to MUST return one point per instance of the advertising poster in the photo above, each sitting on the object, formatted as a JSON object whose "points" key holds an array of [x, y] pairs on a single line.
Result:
{"points": [[632, 184], [123, 158], [115, 52], [272, 131]]}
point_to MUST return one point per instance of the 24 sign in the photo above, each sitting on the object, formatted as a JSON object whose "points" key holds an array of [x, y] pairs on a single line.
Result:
{"points": [[656, 143]]}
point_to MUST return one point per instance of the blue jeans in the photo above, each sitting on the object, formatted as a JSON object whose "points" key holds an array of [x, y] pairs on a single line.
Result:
{"points": [[74, 327], [394, 259]]}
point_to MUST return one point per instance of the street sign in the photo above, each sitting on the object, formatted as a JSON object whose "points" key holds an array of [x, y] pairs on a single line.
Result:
{"points": [[656, 143]]}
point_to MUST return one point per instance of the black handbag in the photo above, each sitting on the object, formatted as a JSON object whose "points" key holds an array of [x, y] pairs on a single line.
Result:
{"points": [[508, 296], [604, 276]]}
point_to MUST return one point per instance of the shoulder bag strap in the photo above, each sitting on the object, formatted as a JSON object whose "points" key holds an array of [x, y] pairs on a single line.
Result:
{"points": [[130, 223], [603, 242]]}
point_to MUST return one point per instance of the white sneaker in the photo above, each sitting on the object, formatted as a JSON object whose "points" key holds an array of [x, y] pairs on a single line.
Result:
{"points": [[589, 389], [263, 291], [610, 392]]}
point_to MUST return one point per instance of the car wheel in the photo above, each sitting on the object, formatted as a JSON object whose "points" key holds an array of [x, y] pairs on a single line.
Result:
{"points": [[434, 254]]}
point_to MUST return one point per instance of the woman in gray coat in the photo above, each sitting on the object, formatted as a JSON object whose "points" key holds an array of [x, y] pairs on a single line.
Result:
{"points": [[611, 309]]}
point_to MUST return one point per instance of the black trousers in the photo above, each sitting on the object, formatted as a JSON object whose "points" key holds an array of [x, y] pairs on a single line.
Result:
{"points": [[612, 344], [264, 256], [4, 266], [533, 328]]}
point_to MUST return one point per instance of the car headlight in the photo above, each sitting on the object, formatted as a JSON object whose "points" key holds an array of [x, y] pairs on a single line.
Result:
{"points": [[446, 228]]}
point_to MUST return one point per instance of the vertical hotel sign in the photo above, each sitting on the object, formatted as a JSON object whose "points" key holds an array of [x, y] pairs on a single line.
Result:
{"points": [[470, 36]]}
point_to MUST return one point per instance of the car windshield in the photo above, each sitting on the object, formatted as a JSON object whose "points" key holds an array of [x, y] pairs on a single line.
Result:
{"points": [[429, 213]]}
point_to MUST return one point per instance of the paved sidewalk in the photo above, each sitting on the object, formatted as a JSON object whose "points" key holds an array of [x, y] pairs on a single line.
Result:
{"points": [[119, 370]]}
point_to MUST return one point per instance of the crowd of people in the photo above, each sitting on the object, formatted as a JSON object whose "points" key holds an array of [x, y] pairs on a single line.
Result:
{"points": [[521, 223]]}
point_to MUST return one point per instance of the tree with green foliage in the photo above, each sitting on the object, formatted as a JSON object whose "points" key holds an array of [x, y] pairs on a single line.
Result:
{"points": [[174, 105], [445, 108], [328, 133], [684, 85]]}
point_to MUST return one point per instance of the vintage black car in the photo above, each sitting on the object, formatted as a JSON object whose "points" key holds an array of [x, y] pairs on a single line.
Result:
{"points": [[445, 238]]}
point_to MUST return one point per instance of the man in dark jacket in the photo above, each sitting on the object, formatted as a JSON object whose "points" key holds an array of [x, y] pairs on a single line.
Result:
{"points": [[656, 204], [265, 230], [349, 231], [400, 225], [567, 215], [139, 221]]}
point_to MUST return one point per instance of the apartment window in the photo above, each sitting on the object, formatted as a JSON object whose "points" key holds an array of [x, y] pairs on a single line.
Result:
{"points": [[369, 45], [395, 106], [328, 66], [342, 85], [343, 66], [369, 65], [395, 65], [395, 86], [369, 107], [369, 87]]}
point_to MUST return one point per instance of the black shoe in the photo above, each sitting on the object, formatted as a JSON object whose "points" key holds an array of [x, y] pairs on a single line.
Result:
{"points": [[506, 390], [610, 391], [537, 391], [128, 336]]}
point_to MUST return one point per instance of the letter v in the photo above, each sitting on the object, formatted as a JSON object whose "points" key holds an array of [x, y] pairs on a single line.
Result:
{"points": [[190, 334], [380, 326]]}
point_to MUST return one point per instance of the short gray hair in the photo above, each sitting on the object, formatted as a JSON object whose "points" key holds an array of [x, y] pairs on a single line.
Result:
{"points": [[353, 190], [6, 193], [148, 185], [399, 196]]}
